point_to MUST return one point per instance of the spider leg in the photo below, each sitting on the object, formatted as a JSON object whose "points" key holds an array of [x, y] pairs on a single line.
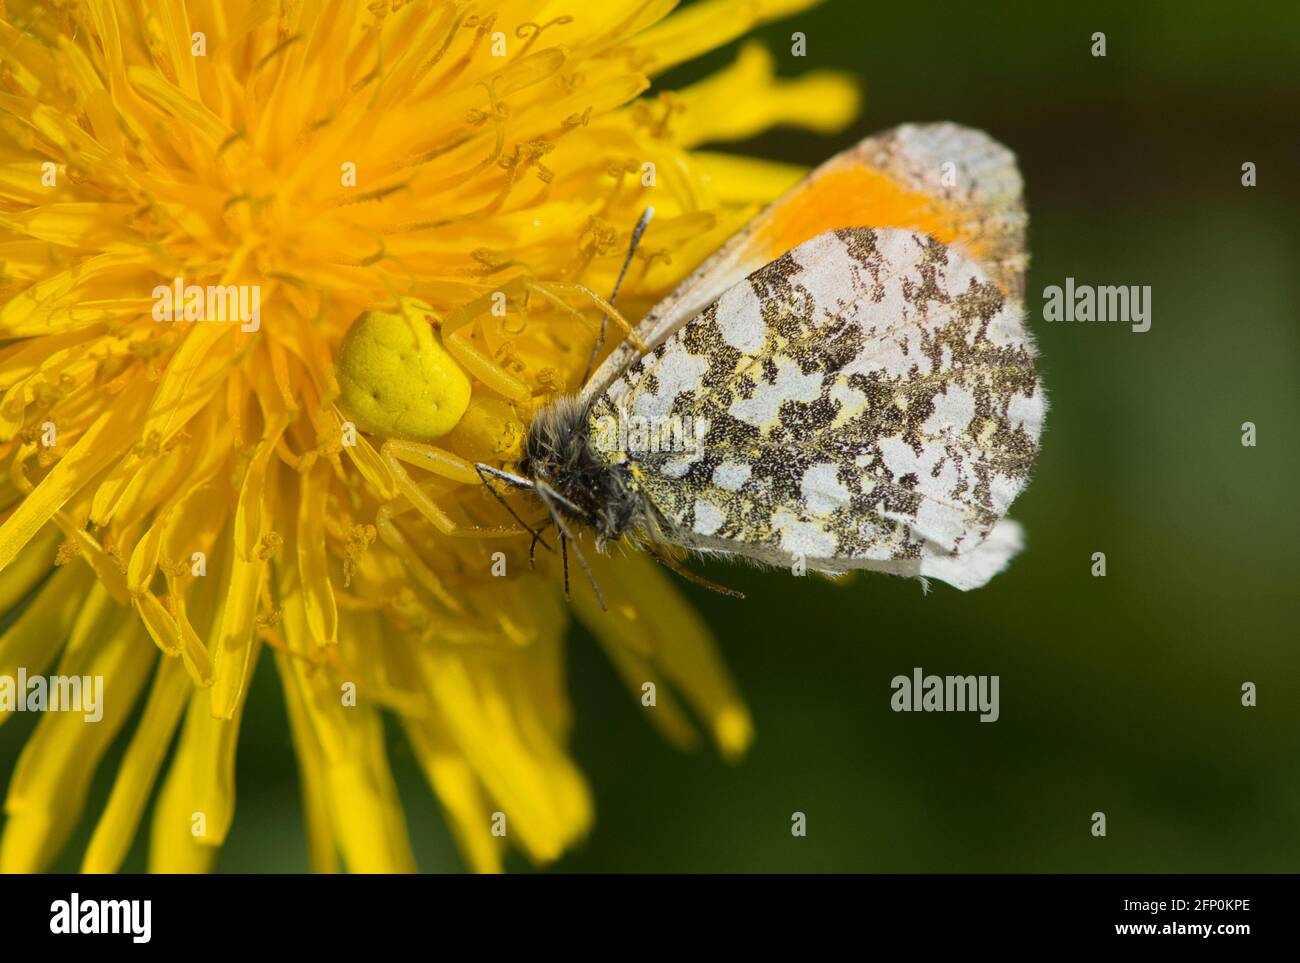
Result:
{"points": [[443, 464]]}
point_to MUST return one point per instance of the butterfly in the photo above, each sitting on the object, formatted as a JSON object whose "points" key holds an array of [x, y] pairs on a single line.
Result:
{"points": [[846, 384]]}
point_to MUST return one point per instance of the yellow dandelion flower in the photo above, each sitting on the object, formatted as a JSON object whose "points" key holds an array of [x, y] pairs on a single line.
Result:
{"points": [[197, 486]]}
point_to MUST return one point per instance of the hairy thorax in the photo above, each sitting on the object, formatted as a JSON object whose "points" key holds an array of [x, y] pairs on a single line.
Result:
{"points": [[561, 453]]}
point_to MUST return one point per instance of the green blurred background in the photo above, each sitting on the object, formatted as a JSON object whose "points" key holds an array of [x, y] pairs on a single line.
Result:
{"points": [[1120, 694]]}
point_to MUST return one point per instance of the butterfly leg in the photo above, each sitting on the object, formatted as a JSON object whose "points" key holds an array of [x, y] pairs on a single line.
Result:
{"points": [[564, 553], [486, 472], [670, 563], [549, 497], [532, 549]]}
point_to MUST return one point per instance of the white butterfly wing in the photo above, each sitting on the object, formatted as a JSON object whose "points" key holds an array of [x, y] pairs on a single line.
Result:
{"points": [[868, 400], [953, 182]]}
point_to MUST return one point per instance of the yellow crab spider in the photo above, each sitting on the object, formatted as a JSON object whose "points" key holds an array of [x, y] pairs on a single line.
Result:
{"points": [[398, 382]]}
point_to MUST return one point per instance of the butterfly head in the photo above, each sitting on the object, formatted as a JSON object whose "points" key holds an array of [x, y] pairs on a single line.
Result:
{"points": [[561, 455]]}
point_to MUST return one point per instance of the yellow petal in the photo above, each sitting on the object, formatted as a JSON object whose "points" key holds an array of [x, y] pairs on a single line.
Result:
{"points": [[47, 793], [197, 804], [98, 226], [138, 770], [32, 564], [745, 180], [746, 99], [52, 304], [177, 838], [313, 562], [461, 794], [107, 439], [37, 635], [646, 609], [542, 797], [704, 26], [322, 853], [362, 803]]}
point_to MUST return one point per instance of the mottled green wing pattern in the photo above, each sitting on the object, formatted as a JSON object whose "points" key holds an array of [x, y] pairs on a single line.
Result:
{"points": [[868, 400]]}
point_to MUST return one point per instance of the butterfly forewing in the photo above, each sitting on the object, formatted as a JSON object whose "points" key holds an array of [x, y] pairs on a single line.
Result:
{"points": [[954, 183], [869, 399]]}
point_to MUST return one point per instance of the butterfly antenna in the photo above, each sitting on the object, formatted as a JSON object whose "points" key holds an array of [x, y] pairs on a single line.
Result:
{"points": [[637, 231], [545, 492], [486, 470]]}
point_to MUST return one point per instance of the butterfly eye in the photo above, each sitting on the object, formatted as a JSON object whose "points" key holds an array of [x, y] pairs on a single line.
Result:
{"points": [[396, 378]]}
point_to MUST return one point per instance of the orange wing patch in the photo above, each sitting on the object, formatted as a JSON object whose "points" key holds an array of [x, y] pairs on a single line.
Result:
{"points": [[956, 184], [850, 196], [953, 183]]}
